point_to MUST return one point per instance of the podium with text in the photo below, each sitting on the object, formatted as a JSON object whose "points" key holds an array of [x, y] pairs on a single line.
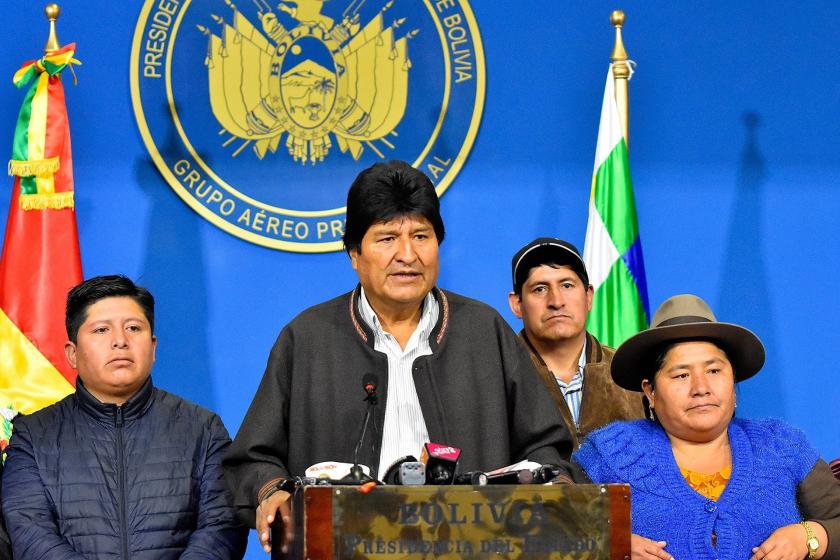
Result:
{"points": [[566, 522]]}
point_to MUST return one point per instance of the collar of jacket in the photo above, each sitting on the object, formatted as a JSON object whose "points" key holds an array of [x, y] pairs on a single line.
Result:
{"points": [[594, 352], [133, 408], [435, 337]]}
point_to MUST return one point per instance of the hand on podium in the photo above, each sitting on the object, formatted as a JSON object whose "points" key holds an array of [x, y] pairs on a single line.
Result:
{"points": [[274, 506]]}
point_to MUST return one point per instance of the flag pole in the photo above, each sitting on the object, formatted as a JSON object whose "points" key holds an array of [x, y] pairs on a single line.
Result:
{"points": [[40, 260], [52, 11], [621, 71], [613, 249]]}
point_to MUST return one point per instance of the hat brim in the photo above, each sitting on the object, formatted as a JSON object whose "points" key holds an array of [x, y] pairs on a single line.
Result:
{"points": [[635, 359]]}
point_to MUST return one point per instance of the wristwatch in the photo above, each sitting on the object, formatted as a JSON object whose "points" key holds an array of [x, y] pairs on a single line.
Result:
{"points": [[285, 484], [813, 542]]}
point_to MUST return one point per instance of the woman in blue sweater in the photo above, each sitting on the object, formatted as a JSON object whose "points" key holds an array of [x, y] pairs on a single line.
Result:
{"points": [[706, 485]]}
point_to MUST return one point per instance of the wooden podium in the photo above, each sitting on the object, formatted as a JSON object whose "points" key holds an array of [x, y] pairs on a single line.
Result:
{"points": [[566, 522]]}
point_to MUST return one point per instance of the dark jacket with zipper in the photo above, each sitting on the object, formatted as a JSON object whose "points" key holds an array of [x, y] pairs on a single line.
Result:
{"points": [[478, 391], [138, 481]]}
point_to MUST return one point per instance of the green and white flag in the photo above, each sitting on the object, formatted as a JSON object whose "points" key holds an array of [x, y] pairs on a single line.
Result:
{"points": [[613, 250]]}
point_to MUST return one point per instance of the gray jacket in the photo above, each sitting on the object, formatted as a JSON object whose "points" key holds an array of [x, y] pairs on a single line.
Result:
{"points": [[478, 391]]}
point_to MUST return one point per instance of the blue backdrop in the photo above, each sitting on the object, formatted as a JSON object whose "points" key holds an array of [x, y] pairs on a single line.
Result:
{"points": [[733, 149]]}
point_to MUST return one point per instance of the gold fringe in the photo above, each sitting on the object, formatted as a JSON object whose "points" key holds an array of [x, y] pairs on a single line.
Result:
{"points": [[37, 168], [52, 201]]}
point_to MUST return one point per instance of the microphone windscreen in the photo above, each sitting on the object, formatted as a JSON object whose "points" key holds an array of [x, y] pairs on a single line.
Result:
{"points": [[369, 383]]}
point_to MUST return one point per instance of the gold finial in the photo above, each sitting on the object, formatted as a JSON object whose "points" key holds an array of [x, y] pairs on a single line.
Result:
{"points": [[618, 54], [621, 73], [52, 12]]}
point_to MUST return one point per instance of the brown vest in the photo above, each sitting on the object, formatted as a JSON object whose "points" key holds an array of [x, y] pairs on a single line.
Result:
{"points": [[602, 402]]}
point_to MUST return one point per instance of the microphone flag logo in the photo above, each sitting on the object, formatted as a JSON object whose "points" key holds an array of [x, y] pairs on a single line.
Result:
{"points": [[442, 451]]}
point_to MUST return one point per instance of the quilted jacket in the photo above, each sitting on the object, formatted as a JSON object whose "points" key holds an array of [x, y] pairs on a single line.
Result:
{"points": [[138, 481]]}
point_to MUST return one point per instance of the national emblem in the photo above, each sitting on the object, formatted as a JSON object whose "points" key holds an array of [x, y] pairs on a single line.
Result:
{"points": [[325, 82], [317, 78]]}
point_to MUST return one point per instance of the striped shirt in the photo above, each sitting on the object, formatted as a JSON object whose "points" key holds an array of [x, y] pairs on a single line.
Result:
{"points": [[573, 390], [405, 430]]}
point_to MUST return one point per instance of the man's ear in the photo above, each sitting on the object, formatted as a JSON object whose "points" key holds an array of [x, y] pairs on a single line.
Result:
{"points": [[70, 353], [354, 257], [515, 303]]}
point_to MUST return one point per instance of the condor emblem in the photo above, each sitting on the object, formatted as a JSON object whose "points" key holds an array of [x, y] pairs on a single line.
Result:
{"points": [[259, 115]]}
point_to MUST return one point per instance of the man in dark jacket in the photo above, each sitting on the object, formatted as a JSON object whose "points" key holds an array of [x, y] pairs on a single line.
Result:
{"points": [[553, 297], [5, 543], [448, 369], [119, 469]]}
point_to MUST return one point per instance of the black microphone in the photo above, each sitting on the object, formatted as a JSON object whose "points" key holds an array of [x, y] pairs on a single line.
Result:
{"points": [[475, 478], [441, 462], [511, 477], [546, 473], [356, 473]]}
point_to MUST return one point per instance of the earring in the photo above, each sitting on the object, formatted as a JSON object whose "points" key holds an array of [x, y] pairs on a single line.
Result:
{"points": [[651, 414]]}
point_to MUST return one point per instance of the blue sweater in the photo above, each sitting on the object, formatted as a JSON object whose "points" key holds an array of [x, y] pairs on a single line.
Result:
{"points": [[769, 460]]}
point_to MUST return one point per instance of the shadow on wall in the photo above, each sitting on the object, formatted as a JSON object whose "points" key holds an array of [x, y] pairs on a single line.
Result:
{"points": [[174, 271], [745, 291]]}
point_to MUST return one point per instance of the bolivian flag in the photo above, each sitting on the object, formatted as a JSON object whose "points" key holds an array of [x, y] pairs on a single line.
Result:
{"points": [[40, 260], [613, 250]]}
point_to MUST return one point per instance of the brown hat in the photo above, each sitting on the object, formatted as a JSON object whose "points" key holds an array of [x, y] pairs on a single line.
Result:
{"points": [[679, 319]]}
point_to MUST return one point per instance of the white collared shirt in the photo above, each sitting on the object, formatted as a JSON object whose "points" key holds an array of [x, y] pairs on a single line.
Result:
{"points": [[405, 430]]}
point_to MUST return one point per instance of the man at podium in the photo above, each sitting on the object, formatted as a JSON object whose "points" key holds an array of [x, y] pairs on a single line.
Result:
{"points": [[444, 368]]}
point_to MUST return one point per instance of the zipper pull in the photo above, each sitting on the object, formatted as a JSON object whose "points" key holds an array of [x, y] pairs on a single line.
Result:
{"points": [[119, 419]]}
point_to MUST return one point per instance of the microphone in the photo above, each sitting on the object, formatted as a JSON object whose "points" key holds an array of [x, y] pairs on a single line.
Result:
{"points": [[369, 385], [357, 474], [412, 473], [331, 470], [406, 471], [441, 462], [546, 473], [523, 476], [475, 478]]}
